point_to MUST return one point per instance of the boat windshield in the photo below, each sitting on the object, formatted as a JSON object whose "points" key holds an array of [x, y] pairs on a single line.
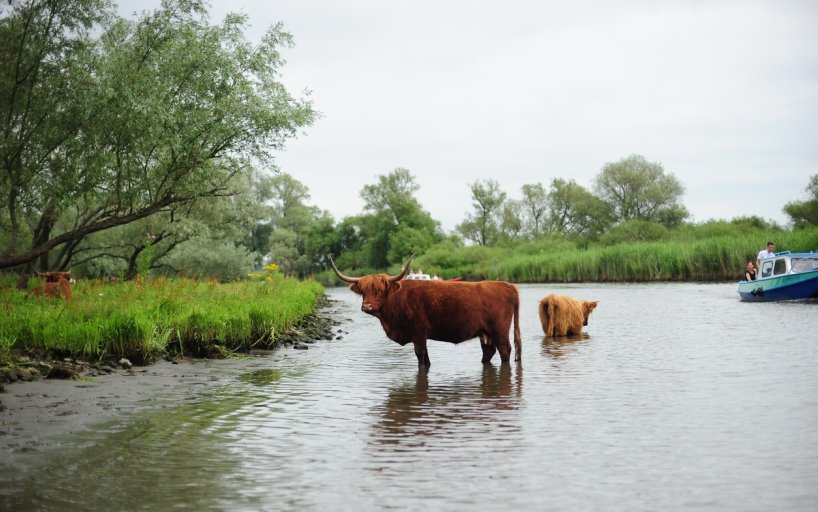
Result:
{"points": [[804, 264]]}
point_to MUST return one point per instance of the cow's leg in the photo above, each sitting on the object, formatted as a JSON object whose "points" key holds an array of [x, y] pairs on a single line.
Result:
{"points": [[488, 348], [504, 347], [422, 354]]}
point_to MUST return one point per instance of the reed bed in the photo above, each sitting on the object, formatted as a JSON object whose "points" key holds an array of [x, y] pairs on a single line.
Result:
{"points": [[143, 320], [720, 257], [710, 259]]}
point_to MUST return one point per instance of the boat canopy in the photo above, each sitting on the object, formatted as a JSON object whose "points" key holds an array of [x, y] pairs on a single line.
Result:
{"points": [[788, 264], [804, 263]]}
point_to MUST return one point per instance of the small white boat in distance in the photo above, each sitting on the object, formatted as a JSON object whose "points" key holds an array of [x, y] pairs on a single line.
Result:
{"points": [[420, 276]]}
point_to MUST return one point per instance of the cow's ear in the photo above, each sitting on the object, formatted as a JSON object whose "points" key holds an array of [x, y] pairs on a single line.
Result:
{"points": [[355, 288], [592, 305]]}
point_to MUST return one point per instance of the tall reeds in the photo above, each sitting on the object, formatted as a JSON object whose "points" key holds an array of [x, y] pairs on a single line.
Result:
{"points": [[707, 258], [716, 258]]}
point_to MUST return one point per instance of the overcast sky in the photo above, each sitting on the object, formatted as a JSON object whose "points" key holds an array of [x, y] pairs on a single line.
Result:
{"points": [[723, 94]]}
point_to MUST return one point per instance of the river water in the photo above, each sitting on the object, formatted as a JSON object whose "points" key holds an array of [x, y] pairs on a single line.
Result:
{"points": [[677, 397]]}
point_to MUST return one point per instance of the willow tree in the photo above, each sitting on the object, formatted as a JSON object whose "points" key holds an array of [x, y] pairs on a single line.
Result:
{"points": [[637, 189], [534, 207], [395, 224], [482, 225], [106, 121], [574, 211], [289, 224]]}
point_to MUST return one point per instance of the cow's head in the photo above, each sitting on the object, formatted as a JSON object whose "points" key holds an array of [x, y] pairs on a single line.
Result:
{"points": [[55, 277], [587, 307], [374, 288]]}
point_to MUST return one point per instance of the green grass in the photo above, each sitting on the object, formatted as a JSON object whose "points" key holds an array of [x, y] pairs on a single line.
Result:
{"points": [[711, 258], [142, 320], [717, 252]]}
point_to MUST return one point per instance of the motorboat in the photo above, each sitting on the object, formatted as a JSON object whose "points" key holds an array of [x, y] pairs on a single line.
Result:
{"points": [[785, 276]]}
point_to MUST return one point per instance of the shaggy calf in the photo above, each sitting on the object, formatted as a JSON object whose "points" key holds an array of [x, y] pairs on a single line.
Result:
{"points": [[561, 315]]}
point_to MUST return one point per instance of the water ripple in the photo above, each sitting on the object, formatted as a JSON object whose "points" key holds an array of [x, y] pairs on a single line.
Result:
{"points": [[676, 397]]}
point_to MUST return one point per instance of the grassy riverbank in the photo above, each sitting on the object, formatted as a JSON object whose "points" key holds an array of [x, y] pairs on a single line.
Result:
{"points": [[680, 257], [711, 259], [142, 320]]}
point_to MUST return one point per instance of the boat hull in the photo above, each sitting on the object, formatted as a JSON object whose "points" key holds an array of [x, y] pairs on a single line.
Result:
{"points": [[786, 287]]}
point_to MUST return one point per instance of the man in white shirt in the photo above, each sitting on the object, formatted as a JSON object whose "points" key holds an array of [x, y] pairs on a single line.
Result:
{"points": [[769, 252]]}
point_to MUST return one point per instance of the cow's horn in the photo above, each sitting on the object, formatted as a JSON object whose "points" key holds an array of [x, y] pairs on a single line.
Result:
{"points": [[341, 276], [404, 271]]}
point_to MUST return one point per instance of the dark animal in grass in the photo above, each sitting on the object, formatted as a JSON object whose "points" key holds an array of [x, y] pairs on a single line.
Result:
{"points": [[56, 284]]}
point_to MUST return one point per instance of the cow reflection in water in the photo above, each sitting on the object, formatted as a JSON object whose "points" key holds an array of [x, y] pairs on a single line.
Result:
{"points": [[411, 413], [557, 348]]}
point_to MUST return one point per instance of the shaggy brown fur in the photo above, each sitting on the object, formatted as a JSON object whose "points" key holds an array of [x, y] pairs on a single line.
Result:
{"points": [[561, 315], [414, 311], [56, 284]]}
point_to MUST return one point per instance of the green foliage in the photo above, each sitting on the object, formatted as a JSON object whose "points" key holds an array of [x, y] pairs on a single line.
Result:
{"points": [[144, 260], [713, 258], [805, 213], [144, 320], [202, 258], [209, 237], [575, 212], [754, 226], [511, 228], [482, 226], [112, 121], [321, 240], [534, 206], [290, 222], [687, 255], [394, 194], [635, 230], [641, 190], [582, 241], [408, 240], [394, 221], [474, 262]]}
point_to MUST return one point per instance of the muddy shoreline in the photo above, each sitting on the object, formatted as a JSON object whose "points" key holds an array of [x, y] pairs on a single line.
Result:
{"points": [[41, 398]]}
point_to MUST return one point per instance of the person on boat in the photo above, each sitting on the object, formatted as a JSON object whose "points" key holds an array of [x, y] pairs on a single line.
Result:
{"points": [[769, 252], [750, 273]]}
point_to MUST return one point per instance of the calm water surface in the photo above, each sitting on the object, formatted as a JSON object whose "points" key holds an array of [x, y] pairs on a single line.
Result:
{"points": [[678, 397]]}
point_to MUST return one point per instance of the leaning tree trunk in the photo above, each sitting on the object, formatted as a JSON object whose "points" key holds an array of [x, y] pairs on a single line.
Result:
{"points": [[132, 270]]}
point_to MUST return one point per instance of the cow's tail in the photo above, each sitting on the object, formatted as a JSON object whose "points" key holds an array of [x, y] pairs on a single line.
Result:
{"points": [[518, 343]]}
